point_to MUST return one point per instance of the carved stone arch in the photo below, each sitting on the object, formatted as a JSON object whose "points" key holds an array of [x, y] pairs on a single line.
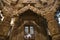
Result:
{"points": [[30, 16], [29, 13], [22, 10]]}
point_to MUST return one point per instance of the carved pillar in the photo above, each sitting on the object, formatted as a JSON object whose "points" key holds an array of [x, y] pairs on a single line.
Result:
{"points": [[53, 26], [4, 28], [6, 11], [5, 25], [14, 25]]}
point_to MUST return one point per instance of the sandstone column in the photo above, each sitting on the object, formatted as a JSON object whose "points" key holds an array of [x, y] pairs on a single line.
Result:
{"points": [[53, 26]]}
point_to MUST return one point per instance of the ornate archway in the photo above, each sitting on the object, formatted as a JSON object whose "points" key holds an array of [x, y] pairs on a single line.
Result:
{"points": [[45, 8], [29, 18]]}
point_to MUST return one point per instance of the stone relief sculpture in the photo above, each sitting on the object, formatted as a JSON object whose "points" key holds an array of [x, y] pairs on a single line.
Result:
{"points": [[14, 8]]}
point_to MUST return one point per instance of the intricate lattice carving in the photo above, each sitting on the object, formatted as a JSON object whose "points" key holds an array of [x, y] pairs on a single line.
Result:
{"points": [[47, 5], [16, 7]]}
